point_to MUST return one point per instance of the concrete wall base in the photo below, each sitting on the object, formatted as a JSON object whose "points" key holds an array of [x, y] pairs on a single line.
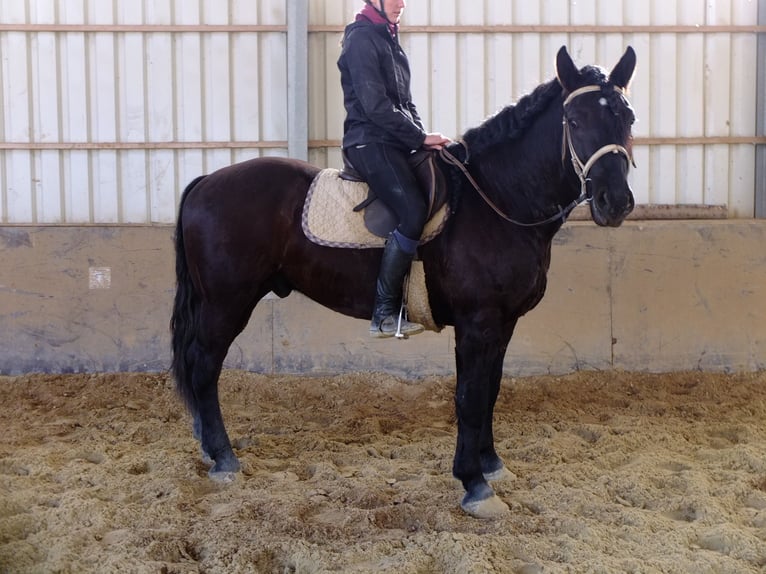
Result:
{"points": [[649, 296]]}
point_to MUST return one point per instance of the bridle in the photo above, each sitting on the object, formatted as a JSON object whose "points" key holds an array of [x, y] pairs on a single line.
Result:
{"points": [[581, 169]]}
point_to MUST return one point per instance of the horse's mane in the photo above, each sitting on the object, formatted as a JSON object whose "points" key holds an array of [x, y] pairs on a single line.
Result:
{"points": [[511, 122]]}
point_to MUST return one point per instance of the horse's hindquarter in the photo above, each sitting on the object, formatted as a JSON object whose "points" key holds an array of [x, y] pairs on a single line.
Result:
{"points": [[237, 220], [244, 223], [260, 189]]}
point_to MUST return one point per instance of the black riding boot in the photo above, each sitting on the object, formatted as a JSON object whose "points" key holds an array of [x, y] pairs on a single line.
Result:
{"points": [[388, 295]]}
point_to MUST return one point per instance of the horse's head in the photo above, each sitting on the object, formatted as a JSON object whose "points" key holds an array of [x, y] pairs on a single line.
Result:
{"points": [[597, 133]]}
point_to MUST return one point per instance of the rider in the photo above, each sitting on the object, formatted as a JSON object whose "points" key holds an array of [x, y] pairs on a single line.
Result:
{"points": [[382, 128]]}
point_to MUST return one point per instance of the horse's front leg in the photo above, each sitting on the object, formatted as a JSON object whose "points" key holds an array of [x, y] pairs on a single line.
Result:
{"points": [[492, 466], [479, 361]]}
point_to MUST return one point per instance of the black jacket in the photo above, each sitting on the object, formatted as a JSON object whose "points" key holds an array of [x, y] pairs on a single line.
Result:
{"points": [[375, 76]]}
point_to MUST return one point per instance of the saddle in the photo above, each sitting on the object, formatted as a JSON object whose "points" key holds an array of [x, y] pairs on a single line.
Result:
{"points": [[380, 219]]}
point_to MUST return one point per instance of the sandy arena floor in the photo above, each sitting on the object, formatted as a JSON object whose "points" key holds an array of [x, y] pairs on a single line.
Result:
{"points": [[614, 472]]}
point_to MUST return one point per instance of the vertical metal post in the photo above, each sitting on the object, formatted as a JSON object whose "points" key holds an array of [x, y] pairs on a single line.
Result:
{"points": [[760, 123], [297, 78]]}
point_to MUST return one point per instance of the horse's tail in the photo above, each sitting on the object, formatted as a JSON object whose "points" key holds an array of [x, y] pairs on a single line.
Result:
{"points": [[184, 320]]}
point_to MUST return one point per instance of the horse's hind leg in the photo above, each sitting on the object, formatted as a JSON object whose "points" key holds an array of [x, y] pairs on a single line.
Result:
{"points": [[208, 419], [207, 354]]}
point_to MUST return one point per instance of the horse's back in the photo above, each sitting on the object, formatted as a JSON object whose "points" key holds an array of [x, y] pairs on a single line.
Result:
{"points": [[255, 186], [259, 175]]}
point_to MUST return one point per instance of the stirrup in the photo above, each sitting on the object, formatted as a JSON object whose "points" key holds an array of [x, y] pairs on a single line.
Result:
{"points": [[402, 317], [392, 326]]}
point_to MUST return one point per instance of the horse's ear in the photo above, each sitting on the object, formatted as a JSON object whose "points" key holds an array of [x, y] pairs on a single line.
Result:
{"points": [[566, 71], [623, 71]]}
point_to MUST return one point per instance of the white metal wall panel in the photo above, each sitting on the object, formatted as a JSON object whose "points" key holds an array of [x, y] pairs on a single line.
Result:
{"points": [[110, 124], [690, 103], [743, 109]]}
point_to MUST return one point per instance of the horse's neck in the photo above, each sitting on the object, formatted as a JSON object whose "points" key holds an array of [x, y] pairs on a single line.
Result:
{"points": [[527, 174]]}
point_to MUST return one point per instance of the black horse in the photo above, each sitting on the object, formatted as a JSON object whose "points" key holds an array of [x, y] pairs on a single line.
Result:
{"points": [[520, 173]]}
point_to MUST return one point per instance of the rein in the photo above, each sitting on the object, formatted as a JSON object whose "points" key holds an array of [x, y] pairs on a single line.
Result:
{"points": [[563, 213], [580, 168]]}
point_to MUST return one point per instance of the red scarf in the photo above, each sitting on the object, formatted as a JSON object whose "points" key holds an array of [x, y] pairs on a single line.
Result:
{"points": [[370, 13]]}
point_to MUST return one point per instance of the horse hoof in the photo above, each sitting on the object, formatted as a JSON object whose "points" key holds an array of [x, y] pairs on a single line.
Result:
{"points": [[484, 503], [224, 471], [489, 508], [222, 477], [501, 473]]}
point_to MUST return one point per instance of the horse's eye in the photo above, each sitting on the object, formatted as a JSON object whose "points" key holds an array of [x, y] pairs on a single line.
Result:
{"points": [[573, 124]]}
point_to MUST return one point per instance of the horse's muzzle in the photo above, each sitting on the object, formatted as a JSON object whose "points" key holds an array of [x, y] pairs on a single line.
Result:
{"points": [[609, 208]]}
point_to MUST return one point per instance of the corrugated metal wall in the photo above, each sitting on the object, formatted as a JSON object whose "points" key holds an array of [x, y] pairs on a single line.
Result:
{"points": [[111, 106]]}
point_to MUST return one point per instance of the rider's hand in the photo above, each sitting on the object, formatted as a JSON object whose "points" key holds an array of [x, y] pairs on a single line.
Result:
{"points": [[436, 141]]}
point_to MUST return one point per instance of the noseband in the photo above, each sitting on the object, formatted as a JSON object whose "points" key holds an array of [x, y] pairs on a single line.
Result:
{"points": [[582, 169]]}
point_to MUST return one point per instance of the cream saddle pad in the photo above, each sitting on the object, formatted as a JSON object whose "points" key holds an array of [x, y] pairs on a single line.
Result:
{"points": [[329, 219]]}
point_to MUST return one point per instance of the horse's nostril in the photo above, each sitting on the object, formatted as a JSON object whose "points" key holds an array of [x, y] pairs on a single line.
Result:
{"points": [[602, 200]]}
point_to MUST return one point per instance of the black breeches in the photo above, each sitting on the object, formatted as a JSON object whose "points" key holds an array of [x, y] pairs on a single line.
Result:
{"points": [[390, 177]]}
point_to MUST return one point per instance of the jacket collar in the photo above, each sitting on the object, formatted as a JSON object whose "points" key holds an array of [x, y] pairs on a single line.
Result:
{"points": [[370, 14]]}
